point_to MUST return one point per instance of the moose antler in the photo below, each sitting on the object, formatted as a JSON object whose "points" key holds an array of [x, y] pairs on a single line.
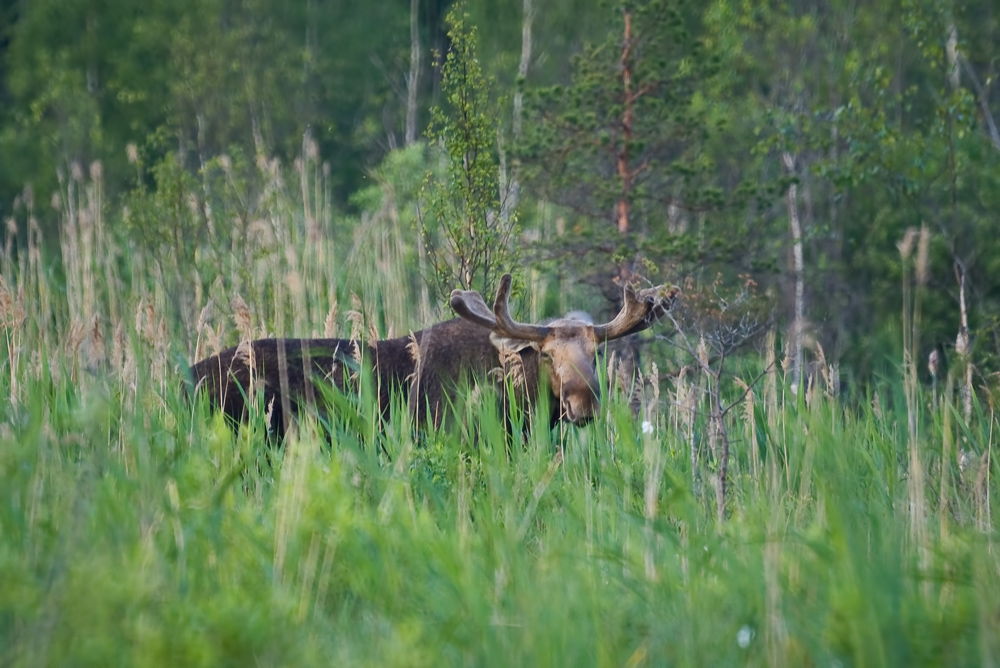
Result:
{"points": [[470, 305], [639, 311], [507, 326]]}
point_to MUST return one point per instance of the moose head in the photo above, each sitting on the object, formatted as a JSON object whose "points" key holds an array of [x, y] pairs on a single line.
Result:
{"points": [[567, 346]]}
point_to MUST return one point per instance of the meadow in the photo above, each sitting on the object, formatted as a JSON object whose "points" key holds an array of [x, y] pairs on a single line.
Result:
{"points": [[136, 528]]}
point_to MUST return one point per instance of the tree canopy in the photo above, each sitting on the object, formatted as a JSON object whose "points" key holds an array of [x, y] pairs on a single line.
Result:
{"points": [[790, 144]]}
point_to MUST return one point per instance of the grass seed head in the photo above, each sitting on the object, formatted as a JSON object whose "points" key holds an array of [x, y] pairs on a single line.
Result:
{"points": [[203, 315], [356, 354], [241, 316], [413, 348], [703, 353], [654, 379], [330, 324], [7, 315], [923, 248], [96, 351], [905, 245], [356, 317], [962, 342], [311, 148]]}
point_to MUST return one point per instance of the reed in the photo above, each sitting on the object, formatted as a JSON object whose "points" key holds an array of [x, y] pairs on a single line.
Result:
{"points": [[138, 529]]}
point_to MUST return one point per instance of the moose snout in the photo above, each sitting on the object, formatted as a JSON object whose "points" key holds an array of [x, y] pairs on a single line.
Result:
{"points": [[580, 400], [580, 410]]}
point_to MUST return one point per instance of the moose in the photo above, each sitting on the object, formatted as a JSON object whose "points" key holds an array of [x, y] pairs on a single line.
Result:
{"points": [[428, 366]]}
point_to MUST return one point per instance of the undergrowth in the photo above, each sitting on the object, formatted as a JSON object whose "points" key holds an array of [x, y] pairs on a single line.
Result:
{"points": [[136, 528]]}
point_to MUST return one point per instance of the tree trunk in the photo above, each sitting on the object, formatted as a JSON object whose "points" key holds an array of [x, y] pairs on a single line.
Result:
{"points": [[624, 173], [511, 197], [798, 271], [414, 76]]}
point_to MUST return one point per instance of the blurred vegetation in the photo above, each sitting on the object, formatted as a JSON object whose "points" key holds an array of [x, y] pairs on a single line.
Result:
{"points": [[680, 172], [138, 528], [167, 165]]}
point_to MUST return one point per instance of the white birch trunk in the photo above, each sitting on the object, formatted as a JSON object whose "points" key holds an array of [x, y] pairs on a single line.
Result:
{"points": [[798, 271], [510, 196], [414, 76]]}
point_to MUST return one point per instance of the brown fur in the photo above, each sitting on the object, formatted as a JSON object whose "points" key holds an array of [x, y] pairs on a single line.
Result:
{"points": [[449, 353], [429, 365]]}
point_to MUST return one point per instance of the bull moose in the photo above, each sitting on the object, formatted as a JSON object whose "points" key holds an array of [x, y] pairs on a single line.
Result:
{"points": [[427, 366]]}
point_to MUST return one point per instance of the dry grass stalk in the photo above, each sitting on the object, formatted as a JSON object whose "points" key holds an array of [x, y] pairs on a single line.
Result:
{"points": [[714, 441], [72, 343], [358, 358], [771, 378], [200, 329], [905, 245], [982, 487], [963, 348], [241, 316], [923, 253], [703, 354], [413, 348], [151, 329], [612, 365], [750, 426], [95, 348], [8, 249], [714, 427], [653, 403], [674, 416], [244, 350], [630, 382], [655, 460], [356, 317], [821, 372], [947, 446], [330, 324], [12, 316], [687, 403]]}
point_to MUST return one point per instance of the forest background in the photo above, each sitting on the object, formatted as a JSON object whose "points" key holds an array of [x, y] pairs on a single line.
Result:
{"points": [[820, 178], [784, 145]]}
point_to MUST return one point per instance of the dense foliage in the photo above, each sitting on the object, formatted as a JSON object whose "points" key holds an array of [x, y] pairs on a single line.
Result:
{"points": [[136, 528], [783, 476], [654, 136]]}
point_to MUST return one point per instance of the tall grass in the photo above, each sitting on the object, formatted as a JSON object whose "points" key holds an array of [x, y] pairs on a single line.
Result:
{"points": [[137, 529]]}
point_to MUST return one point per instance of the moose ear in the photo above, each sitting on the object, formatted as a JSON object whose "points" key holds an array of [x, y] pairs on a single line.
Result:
{"points": [[509, 345], [470, 305]]}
